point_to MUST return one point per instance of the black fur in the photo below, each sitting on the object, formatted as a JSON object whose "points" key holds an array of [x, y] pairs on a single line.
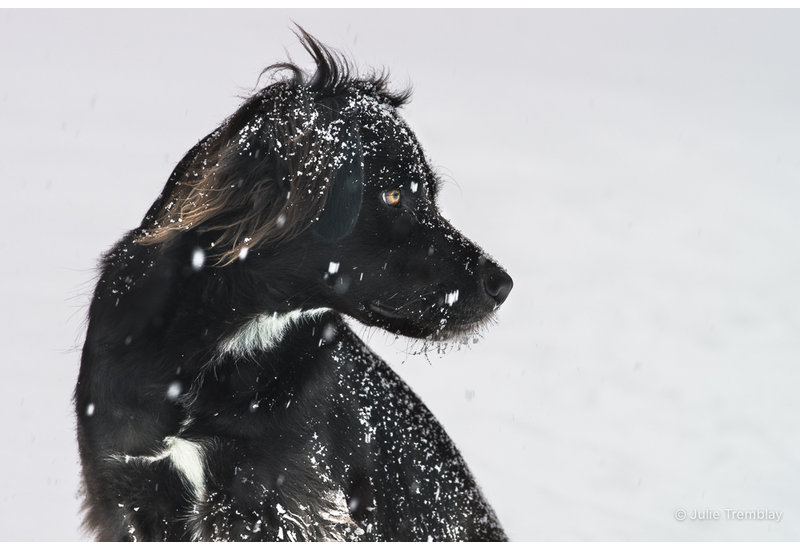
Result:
{"points": [[221, 394]]}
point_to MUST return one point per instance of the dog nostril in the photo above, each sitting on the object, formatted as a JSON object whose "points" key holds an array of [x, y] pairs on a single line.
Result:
{"points": [[498, 284]]}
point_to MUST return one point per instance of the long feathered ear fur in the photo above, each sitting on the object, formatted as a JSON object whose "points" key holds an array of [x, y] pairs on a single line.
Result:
{"points": [[343, 204], [266, 173]]}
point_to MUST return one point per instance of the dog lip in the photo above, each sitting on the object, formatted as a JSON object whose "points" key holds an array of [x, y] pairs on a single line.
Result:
{"points": [[385, 311]]}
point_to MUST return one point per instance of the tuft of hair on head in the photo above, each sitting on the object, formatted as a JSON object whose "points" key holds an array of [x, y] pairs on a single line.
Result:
{"points": [[265, 174]]}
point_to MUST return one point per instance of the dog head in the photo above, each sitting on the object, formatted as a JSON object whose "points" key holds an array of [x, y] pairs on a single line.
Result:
{"points": [[316, 194]]}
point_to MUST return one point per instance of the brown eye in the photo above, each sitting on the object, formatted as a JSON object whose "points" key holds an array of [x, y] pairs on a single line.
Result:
{"points": [[392, 198]]}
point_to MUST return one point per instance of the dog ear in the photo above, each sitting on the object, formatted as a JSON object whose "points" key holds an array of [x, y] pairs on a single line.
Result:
{"points": [[343, 203]]}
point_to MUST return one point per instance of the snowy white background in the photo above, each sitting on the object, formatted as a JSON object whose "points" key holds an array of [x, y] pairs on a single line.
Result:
{"points": [[638, 174]]}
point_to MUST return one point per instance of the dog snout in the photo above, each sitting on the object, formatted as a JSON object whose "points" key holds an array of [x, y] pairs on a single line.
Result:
{"points": [[498, 284]]}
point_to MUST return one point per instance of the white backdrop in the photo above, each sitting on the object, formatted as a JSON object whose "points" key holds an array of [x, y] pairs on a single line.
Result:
{"points": [[637, 173]]}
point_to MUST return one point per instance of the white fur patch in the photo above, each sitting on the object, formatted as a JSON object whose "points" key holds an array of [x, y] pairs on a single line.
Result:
{"points": [[326, 520], [185, 456], [337, 514], [264, 332]]}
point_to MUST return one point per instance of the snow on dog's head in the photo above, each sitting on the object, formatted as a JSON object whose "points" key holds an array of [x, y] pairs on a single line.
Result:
{"points": [[319, 170]]}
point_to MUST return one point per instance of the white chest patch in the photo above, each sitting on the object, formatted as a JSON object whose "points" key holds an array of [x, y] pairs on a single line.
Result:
{"points": [[264, 332]]}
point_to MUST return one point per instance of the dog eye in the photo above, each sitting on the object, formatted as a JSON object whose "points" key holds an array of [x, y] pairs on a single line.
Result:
{"points": [[392, 198]]}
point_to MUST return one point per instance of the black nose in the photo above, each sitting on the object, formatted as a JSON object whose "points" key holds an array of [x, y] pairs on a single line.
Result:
{"points": [[498, 284]]}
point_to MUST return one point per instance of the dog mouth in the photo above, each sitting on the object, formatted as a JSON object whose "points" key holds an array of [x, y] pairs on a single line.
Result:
{"points": [[386, 311], [398, 320], [422, 322]]}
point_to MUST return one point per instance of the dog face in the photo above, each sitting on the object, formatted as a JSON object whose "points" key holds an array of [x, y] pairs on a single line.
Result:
{"points": [[322, 195], [422, 278], [394, 261]]}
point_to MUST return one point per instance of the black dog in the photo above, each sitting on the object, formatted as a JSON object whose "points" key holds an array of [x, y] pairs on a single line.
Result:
{"points": [[221, 394]]}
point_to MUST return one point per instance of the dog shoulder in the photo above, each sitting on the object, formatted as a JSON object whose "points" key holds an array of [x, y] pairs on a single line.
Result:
{"points": [[420, 474]]}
